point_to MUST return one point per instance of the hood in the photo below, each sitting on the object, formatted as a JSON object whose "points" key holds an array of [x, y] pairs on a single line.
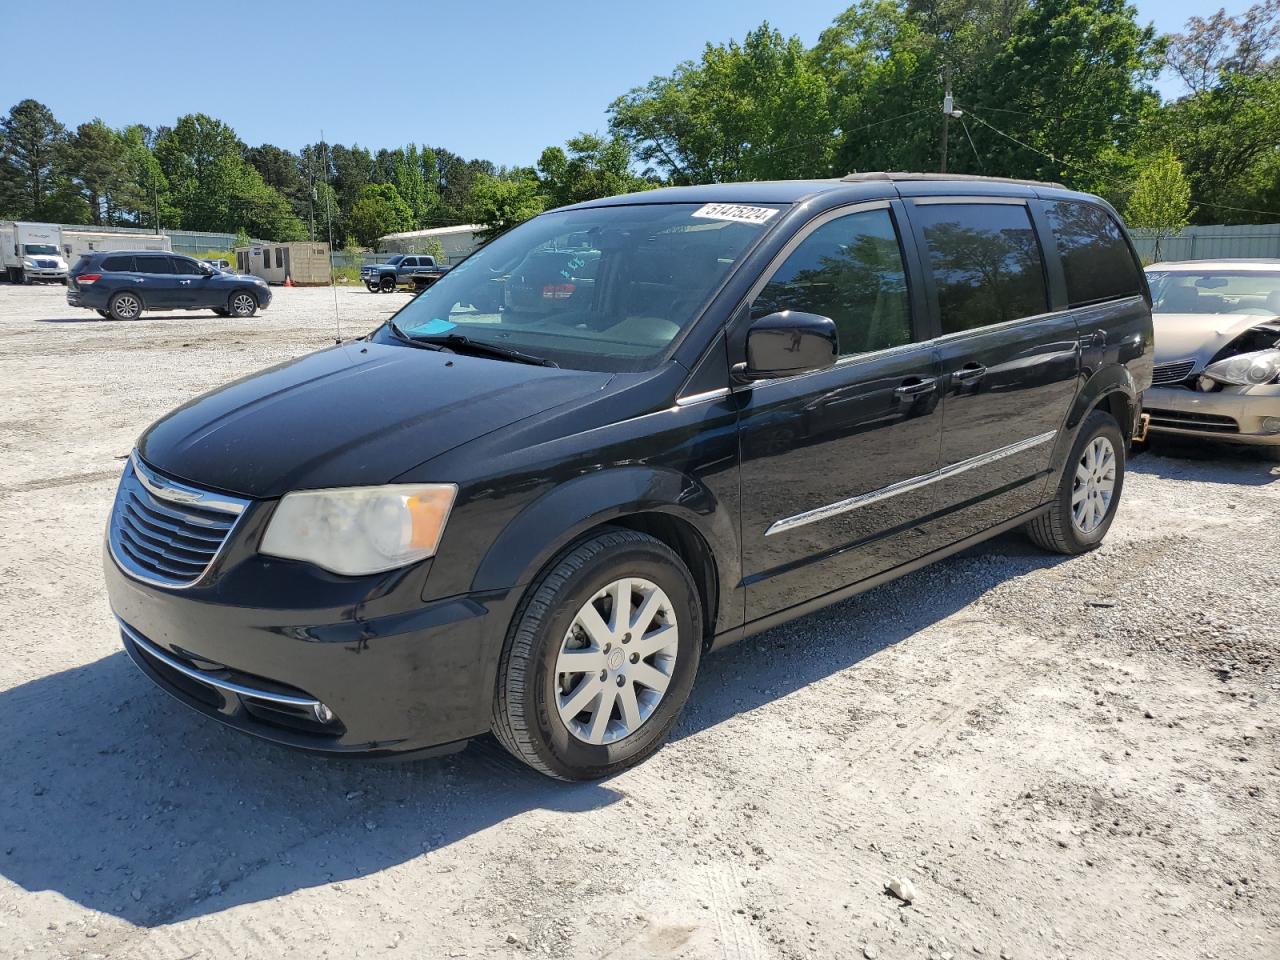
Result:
{"points": [[1182, 336], [355, 414]]}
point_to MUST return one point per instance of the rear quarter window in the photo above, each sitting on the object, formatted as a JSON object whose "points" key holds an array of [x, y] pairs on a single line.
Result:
{"points": [[1096, 260]]}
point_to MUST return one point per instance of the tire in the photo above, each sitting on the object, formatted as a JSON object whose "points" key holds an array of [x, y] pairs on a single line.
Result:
{"points": [[371, 286], [1061, 528], [242, 304], [125, 305], [103, 313], [222, 311], [387, 284], [532, 686]]}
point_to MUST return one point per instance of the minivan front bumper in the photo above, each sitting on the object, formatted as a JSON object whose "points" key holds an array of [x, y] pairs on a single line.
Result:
{"points": [[242, 653]]}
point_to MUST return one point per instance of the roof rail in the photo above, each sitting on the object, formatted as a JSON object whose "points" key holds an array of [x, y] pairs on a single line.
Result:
{"points": [[882, 175]]}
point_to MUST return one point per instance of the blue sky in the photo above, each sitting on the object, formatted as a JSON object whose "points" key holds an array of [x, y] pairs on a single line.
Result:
{"points": [[499, 79]]}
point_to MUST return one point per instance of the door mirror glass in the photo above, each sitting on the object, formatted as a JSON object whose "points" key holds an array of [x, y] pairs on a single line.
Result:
{"points": [[789, 342]]}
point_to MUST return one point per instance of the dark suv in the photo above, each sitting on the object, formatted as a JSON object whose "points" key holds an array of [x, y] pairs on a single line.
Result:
{"points": [[121, 284], [622, 435]]}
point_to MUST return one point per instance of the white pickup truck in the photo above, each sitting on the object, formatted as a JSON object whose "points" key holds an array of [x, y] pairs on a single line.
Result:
{"points": [[32, 251]]}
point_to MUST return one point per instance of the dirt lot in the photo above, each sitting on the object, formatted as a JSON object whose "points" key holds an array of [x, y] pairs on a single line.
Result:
{"points": [[1067, 758]]}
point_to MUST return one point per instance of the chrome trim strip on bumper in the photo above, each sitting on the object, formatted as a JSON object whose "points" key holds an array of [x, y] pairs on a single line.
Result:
{"points": [[238, 689], [176, 492], [903, 486]]}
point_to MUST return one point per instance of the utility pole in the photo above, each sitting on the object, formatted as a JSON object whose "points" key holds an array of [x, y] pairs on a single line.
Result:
{"points": [[948, 111], [947, 105]]}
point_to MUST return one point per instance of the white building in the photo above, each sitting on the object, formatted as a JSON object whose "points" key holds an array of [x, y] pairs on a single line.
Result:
{"points": [[455, 242]]}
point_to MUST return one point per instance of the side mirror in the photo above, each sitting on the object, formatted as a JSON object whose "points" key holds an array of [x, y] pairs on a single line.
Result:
{"points": [[789, 342]]}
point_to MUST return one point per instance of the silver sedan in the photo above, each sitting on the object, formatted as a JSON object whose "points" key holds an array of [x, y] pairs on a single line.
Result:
{"points": [[1217, 358]]}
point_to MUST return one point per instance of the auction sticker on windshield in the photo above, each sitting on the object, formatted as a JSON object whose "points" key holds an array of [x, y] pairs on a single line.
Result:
{"points": [[739, 212]]}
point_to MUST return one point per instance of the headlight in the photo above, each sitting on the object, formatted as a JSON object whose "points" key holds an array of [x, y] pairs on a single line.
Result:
{"points": [[360, 530], [28, 262], [260, 282], [1246, 369]]}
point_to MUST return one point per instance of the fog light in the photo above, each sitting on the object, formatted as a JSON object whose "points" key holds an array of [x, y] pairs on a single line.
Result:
{"points": [[1271, 424], [323, 713], [1207, 384]]}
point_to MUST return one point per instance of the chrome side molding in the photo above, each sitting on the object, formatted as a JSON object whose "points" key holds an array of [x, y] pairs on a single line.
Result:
{"points": [[904, 486]]}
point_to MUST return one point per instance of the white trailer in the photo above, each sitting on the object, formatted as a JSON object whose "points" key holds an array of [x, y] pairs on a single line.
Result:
{"points": [[77, 241], [32, 251]]}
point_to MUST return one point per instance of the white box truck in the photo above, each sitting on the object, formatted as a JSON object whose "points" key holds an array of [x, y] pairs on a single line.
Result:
{"points": [[32, 251]]}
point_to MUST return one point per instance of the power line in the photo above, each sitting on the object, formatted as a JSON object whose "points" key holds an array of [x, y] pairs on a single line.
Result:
{"points": [[1050, 116], [977, 156], [1105, 179]]}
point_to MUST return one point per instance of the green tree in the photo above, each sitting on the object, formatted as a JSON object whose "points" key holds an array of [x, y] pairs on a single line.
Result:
{"points": [[749, 111], [1227, 126], [1160, 204], [588, 167], [31, 139], [499, 203], [143, 197], [95, 158], [214, 188], [379, 211]]}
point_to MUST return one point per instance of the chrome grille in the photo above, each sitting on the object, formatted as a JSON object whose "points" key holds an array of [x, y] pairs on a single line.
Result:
{"points": [[1173, 372], [166, 532]]}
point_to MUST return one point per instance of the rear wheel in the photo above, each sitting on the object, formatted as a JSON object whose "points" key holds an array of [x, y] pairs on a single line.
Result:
{"points": [[125, 306], [243, 304], [600, 658], [387, 284], [1088, 492]]}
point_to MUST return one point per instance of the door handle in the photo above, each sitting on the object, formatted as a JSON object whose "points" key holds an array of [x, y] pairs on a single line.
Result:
{"points": [[137, 279], [918, 387], [184, 282], [969, 373]]}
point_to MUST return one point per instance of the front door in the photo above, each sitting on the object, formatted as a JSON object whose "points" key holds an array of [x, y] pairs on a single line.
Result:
{"points": [[836, 464], [191, 282], [1010, 367]]}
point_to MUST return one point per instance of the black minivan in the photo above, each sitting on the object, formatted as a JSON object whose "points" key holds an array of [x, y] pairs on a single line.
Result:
{"points": [[619, 436]]}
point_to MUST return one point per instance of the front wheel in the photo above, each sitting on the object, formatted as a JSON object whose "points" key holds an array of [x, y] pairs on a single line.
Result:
{"points": [[600, 658], [1084, 505], [243, 304], [387, 284], [371, 286]]}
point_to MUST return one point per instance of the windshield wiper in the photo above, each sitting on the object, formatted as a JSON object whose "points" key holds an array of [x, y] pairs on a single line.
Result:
{"points": [[411, 340], [460, 344]]}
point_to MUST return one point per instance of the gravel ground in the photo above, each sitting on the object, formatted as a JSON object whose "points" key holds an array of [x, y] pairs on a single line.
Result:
{"points": [[1065, 758]]}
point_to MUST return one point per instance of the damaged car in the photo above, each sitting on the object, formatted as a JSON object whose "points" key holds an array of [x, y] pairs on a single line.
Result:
{"points": [[1217, 370]]}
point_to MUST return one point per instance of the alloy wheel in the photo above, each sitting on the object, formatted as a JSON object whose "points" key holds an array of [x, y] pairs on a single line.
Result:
{"points": [[127, 306], [1094, 485], [242, 305], [616, 661]]}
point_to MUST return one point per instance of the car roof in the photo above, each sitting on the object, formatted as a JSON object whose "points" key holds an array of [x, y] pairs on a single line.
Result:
{"points": [[1260, 264], [130, 253], [851, 188]]}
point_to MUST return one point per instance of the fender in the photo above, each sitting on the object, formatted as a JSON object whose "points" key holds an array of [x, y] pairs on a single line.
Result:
{"points": [[553, 521], [1109, 379]]}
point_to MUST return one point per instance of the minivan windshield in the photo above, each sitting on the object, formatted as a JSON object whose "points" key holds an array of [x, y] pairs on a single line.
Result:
{"points": [[602, 288], [39, 249], [1219, 291]]}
